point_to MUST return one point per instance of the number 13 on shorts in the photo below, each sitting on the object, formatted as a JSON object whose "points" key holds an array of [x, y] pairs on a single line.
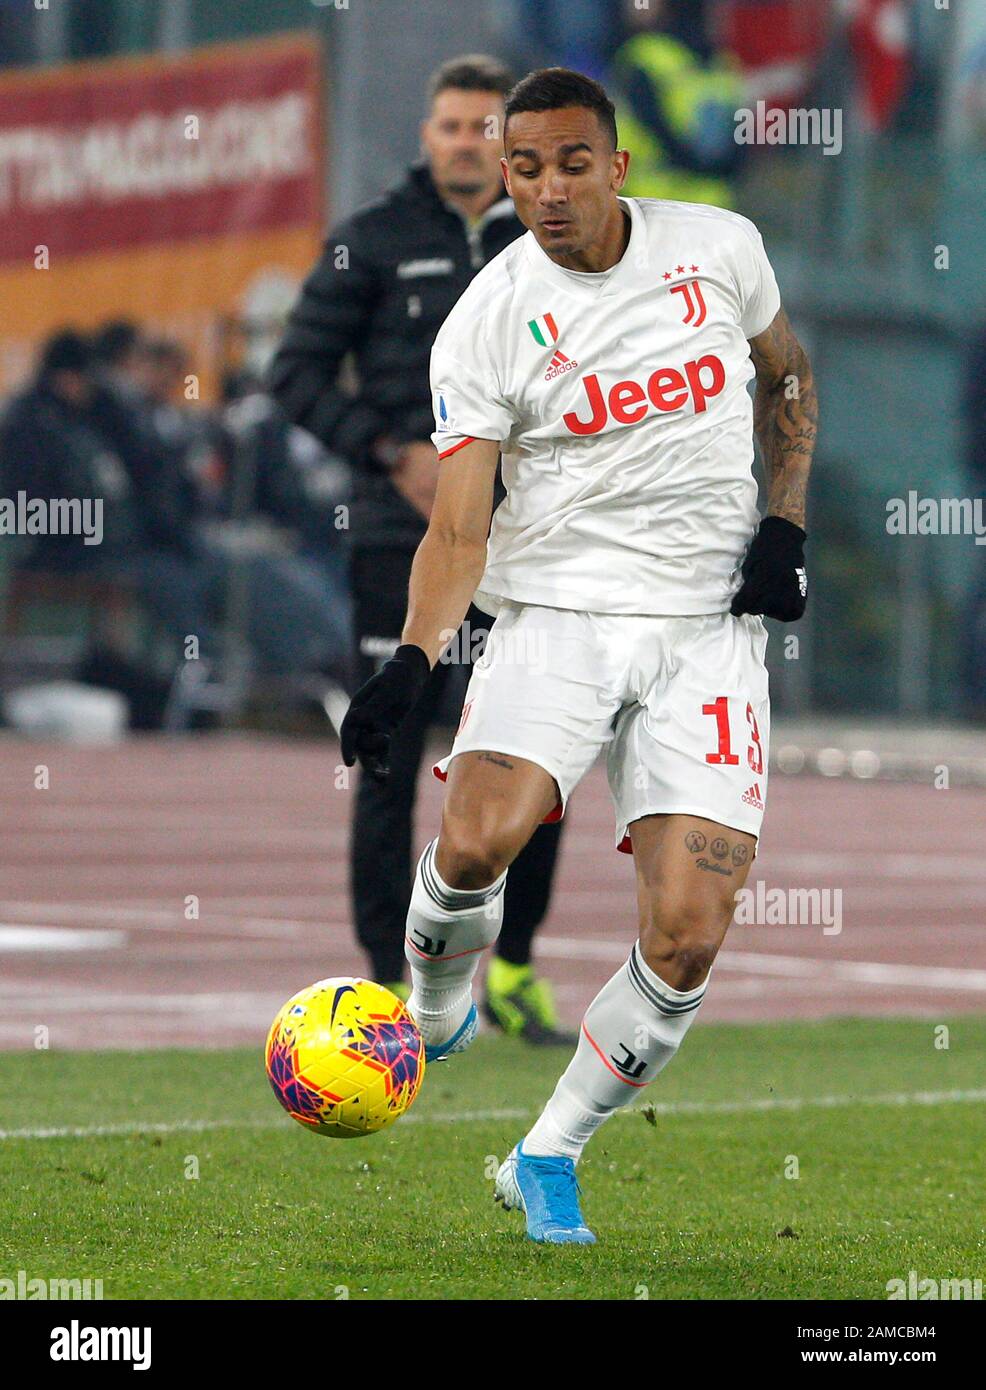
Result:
{"points": [[718, 709]]}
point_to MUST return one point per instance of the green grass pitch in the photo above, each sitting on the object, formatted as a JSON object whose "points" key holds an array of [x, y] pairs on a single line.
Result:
{"points": [[690, 1202]]}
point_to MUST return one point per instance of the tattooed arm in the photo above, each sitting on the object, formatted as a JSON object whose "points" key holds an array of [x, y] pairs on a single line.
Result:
{"points": [[785, 417]]}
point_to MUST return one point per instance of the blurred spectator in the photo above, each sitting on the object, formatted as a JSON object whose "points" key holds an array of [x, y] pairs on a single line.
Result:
{"points": [[299, 483], [119, 410], [880, 37], [190, 438], [116, 351], [197, 490], [296, 485], [778, 44], [580, 34], [49, 448], [676, 97], [100, 421]]}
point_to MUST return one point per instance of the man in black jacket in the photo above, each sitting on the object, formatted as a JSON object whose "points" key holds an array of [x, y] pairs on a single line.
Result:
{"points": [[50, 448], [386, 281]]}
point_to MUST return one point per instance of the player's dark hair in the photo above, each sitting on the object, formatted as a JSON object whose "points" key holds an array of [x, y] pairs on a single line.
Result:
{"points": [[550, 89], [473, 72]]}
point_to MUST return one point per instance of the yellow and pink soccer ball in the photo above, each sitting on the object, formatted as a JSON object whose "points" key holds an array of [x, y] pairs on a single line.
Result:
{"points": [[345, 1057]]}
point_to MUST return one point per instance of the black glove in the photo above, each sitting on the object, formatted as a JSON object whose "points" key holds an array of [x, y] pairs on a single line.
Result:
{"points": [[775, 582], [379, 706]]}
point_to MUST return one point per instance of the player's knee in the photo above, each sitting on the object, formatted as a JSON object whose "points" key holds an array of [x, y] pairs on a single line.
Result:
{"points": [[679, 940], [472, 856], [692, 963], [681, 964]]}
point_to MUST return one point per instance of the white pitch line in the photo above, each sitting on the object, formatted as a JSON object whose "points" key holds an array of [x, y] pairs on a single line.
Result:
{"points": [[857, 971], [923, 864], [858, 897], [248, 847], [25, 937], [55, 821], [463, 1117], [157, 919], [792, 966], [15, 995]]}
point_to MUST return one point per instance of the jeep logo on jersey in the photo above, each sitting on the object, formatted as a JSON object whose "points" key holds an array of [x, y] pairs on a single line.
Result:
{"points": [[666, 389]]}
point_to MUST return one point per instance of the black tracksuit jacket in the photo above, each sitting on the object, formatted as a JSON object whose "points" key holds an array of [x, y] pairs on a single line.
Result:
{"points": [[386, 281]]}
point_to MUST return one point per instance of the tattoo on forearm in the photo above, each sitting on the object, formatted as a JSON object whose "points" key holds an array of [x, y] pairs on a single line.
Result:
{"points": [[785, 417]]}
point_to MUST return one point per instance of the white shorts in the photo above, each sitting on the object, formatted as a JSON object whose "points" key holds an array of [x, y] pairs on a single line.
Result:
{"points": [[680, 705]]}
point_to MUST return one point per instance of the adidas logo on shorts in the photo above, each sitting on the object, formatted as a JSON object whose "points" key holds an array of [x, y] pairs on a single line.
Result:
{"points": [[752, 796]]}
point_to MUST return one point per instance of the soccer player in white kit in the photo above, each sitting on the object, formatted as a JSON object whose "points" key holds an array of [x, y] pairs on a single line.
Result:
{"points": [[605, 355]]}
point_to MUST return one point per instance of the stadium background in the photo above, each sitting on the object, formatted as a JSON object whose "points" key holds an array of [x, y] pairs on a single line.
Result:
{"points": [[853, 239], [96, 941]]}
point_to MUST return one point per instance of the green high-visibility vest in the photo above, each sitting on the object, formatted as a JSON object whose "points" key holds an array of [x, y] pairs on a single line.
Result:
{"points": [[686, 92]]}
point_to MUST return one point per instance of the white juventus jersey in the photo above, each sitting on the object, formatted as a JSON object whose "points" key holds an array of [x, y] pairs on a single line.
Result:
{"points": [[620, 403]]}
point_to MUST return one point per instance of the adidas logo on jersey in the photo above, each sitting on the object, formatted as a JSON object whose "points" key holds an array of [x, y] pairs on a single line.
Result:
{"points": [[558, 364], [752, 797]]}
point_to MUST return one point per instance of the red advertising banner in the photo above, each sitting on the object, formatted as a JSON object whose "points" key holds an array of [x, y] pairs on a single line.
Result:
{"points": [[161, 187]]}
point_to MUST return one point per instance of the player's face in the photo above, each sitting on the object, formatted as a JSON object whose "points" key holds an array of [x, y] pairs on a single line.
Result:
{"points": [[563, 177], [461, 140]]}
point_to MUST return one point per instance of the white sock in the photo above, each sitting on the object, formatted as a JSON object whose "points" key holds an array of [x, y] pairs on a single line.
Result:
{"points": [[447, 931], [631, 1030]]}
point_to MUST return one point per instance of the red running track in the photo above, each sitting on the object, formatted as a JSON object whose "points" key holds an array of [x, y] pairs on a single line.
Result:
{"points": [[95, 944]]}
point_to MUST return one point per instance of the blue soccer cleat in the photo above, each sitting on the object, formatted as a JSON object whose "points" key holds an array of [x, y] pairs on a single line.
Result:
{"points": [[547, 1191], [459, 1040]]}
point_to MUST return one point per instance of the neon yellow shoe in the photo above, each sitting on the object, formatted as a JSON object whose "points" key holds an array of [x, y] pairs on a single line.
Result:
{"points": [[522, 1006]]}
